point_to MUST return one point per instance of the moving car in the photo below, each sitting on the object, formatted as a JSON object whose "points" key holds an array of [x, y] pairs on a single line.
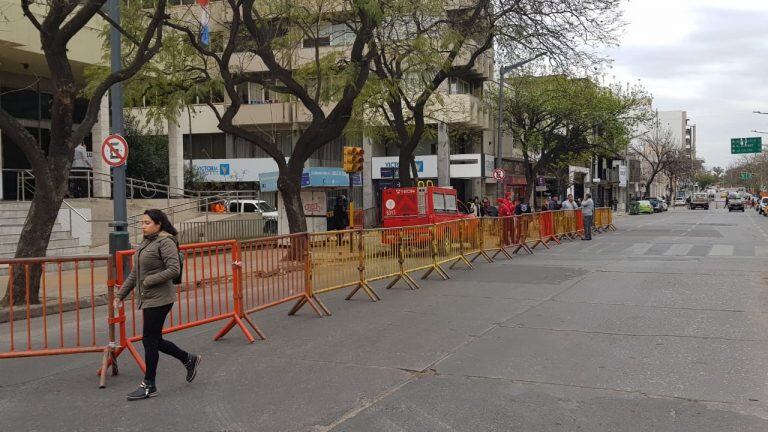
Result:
{"points": [[735, 202], [644, 206], [679, 202], [699, 199]]}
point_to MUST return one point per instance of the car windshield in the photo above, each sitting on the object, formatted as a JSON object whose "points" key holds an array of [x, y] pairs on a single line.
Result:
{"points": [[264, 207]]}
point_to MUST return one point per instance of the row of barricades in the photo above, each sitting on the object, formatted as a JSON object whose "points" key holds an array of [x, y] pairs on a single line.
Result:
{"points": [[230, 280]]}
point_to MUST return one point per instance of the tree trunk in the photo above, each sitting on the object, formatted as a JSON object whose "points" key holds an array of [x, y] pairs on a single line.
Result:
{"points": [[289, 185], [51, 187], [404, 169]]}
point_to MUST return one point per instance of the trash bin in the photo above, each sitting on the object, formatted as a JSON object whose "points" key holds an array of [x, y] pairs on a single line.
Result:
{"points": [[634, 208]]}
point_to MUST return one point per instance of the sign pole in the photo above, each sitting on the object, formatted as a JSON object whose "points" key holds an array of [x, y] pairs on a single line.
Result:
{"points": [[119, 237]]}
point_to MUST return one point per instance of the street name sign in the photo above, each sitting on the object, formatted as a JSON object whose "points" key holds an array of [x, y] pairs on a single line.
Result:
{"points": [[746, 145]]}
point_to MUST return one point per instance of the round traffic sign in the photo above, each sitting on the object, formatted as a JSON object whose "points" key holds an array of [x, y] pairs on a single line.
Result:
{"points": [[498, 174], [114, 150]]}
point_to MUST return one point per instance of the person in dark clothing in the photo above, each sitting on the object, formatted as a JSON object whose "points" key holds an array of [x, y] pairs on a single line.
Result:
{"points": [[485, 208], [522, 207], [340, 218], [156, 264]]}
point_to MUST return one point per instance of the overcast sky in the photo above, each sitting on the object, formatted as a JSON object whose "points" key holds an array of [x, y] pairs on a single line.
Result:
{"points": [[707, 57]]}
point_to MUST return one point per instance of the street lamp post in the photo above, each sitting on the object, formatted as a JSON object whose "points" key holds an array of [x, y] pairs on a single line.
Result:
{"points": [[118, 238], [499, 159]]}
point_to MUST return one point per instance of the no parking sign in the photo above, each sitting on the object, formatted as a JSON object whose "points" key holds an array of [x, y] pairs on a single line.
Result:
{"points": [[114, 150]]}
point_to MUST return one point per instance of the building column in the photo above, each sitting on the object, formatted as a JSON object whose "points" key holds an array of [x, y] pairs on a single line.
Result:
{"points": [[443, 156], [102, 185], [175, 159]]}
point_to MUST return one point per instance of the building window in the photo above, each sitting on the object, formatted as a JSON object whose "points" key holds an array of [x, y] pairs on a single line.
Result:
{"points": [[458, 86], [205, 146], [322, 39]]}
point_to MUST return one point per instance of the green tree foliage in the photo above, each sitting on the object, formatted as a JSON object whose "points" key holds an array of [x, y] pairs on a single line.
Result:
{"points": [[148, 158], [706, 179], [557, 120]]}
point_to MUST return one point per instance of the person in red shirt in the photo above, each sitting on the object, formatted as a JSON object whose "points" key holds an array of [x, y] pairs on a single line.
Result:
{"points": [[506, 222]]}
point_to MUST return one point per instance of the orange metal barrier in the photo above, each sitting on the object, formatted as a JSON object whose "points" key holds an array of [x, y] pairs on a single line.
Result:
{"points": [[277, 270], [547, 228], [210, 291], [579, 215], [45, 323]]}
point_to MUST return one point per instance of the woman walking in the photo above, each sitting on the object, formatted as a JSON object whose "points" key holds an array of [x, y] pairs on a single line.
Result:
{"points": [[156, 264]]}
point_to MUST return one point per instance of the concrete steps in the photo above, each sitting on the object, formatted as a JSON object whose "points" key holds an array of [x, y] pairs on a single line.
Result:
{"points": [[61, 243], [12, 217], [15, 229]]}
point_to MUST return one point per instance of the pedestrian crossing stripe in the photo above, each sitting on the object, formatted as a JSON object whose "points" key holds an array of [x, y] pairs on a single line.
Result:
{"points": [[676, 249]]}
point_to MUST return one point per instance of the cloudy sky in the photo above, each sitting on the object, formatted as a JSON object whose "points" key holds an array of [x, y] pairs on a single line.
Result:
{"points": [[707, 57]]}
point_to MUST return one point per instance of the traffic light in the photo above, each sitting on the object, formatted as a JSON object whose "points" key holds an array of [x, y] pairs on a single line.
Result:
{"points": [[353, 159]]}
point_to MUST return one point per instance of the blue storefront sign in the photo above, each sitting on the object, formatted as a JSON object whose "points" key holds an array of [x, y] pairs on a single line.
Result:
{"points": [[315, 177]]}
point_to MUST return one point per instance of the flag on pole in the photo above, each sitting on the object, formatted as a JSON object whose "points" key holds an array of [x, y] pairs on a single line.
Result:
{"points": [[205, 35]]}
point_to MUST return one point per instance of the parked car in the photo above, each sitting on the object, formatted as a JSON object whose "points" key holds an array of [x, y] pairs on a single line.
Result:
{"points": [[679, 202], [663, 204], [699, 199], [268, 212], [644, 206], [655, 204], [735, 202]]}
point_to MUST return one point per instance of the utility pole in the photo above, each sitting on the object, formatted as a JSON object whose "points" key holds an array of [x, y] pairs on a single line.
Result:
{"points": [[119, 237], [499, 159]]}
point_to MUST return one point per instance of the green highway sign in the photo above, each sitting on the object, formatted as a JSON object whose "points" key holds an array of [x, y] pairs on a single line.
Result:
{"points": [[746, 176], [746, 145]]}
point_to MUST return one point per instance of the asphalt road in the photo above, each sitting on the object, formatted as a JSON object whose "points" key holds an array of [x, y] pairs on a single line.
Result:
{"points": [[660, 326]]}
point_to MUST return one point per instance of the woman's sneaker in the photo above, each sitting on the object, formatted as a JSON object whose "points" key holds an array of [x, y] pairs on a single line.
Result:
{"points": [[191, 365], [145, 391]]}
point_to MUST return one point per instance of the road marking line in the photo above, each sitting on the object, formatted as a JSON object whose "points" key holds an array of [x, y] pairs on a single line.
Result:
{"points": [[679, 249], [721, 250], [639, 248]]}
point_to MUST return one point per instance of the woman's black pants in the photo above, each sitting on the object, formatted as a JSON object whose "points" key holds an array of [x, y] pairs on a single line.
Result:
{"points": [[153, 341]]}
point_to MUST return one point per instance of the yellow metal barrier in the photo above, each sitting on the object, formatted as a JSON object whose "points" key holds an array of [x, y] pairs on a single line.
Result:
{"points": [[337, 261], [491, 237], [531, 228]]}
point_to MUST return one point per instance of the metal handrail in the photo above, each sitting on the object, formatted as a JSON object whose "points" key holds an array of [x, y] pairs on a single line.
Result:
{"points": [[132, 183]]}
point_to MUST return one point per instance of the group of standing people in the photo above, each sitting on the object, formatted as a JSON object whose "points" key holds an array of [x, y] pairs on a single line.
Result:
{"points": [[507, 207]]}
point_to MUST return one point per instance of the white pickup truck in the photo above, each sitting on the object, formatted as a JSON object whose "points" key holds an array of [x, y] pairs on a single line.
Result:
{"points": [[699, 199]]}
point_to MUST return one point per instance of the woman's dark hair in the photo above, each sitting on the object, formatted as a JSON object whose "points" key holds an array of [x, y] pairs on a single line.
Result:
{"points": [[161, 219]]}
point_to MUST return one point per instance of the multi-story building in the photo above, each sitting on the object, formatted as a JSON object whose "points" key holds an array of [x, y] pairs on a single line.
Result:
{"points": [[458, 150], [26, 88], [682, 134]]}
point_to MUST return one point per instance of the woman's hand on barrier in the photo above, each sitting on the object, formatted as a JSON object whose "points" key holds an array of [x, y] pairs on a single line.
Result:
{"points": [[118, 303]]}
